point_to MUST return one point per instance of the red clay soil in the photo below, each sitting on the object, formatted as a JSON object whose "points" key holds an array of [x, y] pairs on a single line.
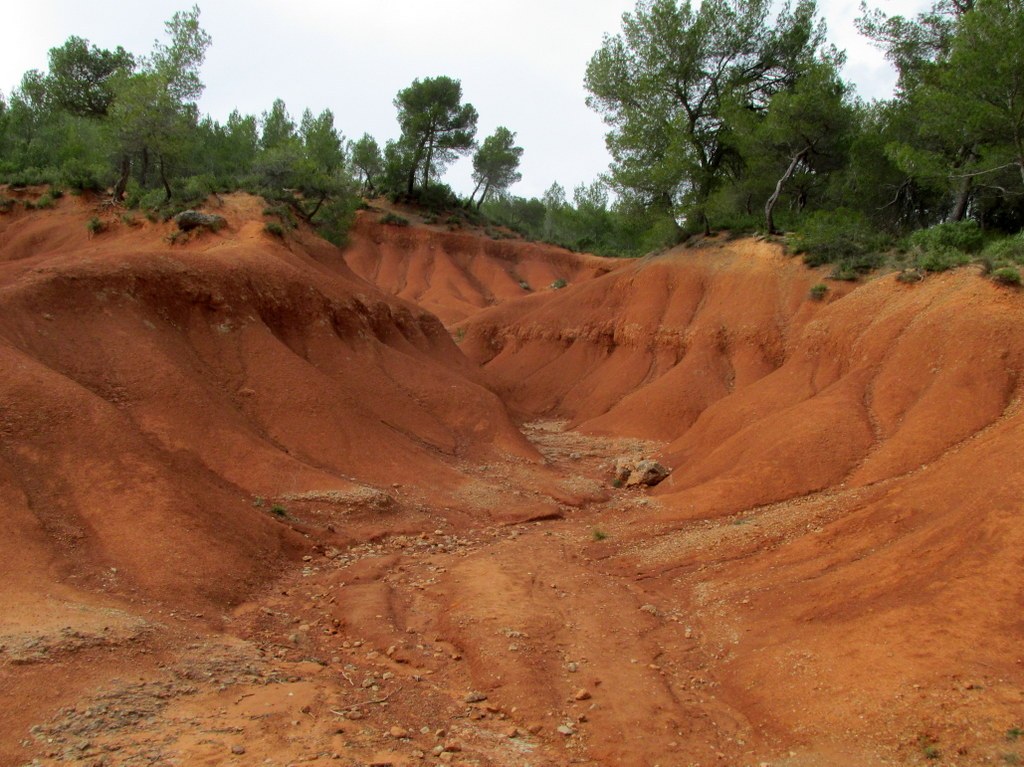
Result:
{"points": [[258, 512]]}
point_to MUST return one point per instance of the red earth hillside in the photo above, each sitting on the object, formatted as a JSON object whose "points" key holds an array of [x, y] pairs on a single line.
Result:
{"points": [[455, 272], [151, 391], [263, 509]]}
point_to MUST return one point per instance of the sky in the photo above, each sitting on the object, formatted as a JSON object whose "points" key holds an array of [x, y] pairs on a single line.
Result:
{"points": [[521, 63]]}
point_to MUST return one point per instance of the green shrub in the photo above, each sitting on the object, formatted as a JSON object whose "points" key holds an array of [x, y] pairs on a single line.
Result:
{"points": [[95, 225], [284, 213], [1008, 250], [599, 535], [45, 201], [152, 199], [965, 236], [391, 219], [129, 220], [817, 292], [827, 237], [80, 175], [1014, 733], [6, 203], [198, 188], [1007, 275], [278, 510], [274, 228], [524, 285], [558, 284], [939, 258]]}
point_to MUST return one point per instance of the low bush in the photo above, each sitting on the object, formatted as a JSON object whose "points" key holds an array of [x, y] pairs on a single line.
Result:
{"points": [[392, 219], [274, 228], [939, 258], [95, 225], [965, 236], [1007, 275], [827, 237], [817, 292]]}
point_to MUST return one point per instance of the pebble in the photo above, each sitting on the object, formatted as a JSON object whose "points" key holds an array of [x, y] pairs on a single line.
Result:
{"points": [[581, 694], [398, 732], [238, 750], [475, 697], [565, 730]]}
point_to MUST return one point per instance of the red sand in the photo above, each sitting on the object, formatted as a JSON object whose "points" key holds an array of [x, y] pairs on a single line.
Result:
{"points": [[830, 576]]}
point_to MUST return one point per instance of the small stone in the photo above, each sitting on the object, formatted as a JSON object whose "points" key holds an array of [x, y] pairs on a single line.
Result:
{"points": [[512, 732], [475, 697], [452, 745], [650, 609], [566, 730], [572, 667], [581, 694], [237, 750], [398, 732]]}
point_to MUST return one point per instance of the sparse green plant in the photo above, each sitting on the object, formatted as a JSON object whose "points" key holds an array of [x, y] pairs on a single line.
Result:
{"points": [[178, 237], [459, 335], [843, 272], [817, 292], [1007, 275], [910, 275], [1011, 757], [95, 225], [558, 284], [616, 483], [391, 219], [6, 203], [130, 220], [1014, 734], [278, 510], [45, 201], [524, 285], [259, 501], [599, 534], [274, 228], [929, 747]]}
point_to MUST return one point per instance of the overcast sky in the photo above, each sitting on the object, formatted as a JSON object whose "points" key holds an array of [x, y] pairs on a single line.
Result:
{"points": [[521, 63]]}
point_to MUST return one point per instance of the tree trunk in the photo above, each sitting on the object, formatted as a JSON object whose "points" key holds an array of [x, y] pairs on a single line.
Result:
{"points": [[477, 189], [144, 171], [122, 180], [963, 198], [769, 207], [321, 201], [163, 179], [483, 196]]}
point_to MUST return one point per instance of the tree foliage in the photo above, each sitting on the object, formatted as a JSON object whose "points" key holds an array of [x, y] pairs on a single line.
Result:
{"points": [[436, 127], [496, 164], [663, 85]]}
